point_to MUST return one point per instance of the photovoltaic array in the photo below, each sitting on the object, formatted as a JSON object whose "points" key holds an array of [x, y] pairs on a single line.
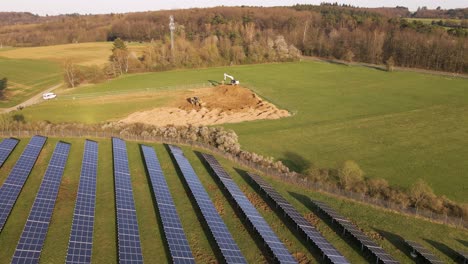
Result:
{"points": [[6, 147], [175, 235], [274, 244], [127, 225], [328, 250], [350, 228], [34, 234], [13, 185], [80, 244], [463, 256], [423, 252], [220, 232]]}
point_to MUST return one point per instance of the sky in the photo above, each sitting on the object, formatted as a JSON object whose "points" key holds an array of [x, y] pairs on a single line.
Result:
{"points": [[55, 7]]}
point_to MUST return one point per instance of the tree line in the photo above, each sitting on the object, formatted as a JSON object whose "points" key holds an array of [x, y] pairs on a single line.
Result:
{"points": [[345, 33]]}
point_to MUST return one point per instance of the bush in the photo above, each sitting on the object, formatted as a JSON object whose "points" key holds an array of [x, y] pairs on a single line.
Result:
{"points": [[390, 64], [420, 193], [92, 74], [377, 187], [349, 174]]}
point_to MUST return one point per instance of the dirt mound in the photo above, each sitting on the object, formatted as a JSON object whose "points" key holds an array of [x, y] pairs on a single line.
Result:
{"points": [[221, 104], [225, 97]]}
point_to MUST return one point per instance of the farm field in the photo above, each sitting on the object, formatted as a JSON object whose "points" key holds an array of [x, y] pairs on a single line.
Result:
{"points": [[92, 53], [390, 225], [26, 78], [400, 126]]}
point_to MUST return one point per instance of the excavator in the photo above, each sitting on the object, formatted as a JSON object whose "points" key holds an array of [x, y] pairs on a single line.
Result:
{"points": [[233, 81]]}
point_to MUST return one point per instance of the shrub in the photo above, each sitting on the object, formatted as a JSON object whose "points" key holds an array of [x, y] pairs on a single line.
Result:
{"points": [[349, 174], [420, 192], [376, 187], [390, 64]]}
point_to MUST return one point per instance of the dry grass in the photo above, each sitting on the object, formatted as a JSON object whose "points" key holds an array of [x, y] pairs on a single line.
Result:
{"points": [[93, 53]]}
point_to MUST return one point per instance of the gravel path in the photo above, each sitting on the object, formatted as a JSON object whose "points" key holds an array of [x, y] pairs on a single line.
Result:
{"points": [[31, 101]]}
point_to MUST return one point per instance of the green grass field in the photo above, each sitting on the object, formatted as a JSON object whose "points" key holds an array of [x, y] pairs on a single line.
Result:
{"points": [[26, 78], [391, 225], [400, 126]]}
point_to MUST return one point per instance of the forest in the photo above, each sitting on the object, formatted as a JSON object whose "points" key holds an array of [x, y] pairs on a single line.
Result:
{"points": [[246, 33]]}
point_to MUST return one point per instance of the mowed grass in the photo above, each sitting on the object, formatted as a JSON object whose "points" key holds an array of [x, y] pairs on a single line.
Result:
{"points": [[93, 111], [92, 53], [26, 78], [392, 226], [400, 126]]}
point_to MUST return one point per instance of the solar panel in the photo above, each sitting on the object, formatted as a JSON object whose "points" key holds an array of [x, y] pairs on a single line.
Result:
{"points": [[279, 250], [175, 235], [463, 256], [6, 147], [13, 185], [220, 232], [312, 234], [34, 234], [127, 224], [80, 243], [423, 252], [352, 229]]}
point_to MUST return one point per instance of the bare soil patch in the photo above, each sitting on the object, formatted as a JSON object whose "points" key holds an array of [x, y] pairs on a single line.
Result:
{"points": [[220, 104]]}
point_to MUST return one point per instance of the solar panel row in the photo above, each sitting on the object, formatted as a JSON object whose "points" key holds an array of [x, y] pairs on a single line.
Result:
{"points": [[127, 225], [6, 147], [220, 232], [13, 185], [80, 243], [463, 256], [34, 234], [175, 235], [423, 252], [329, 252], [274, 244], [349, 227]]}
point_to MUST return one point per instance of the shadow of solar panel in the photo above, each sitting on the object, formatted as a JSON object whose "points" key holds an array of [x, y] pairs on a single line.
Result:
{"points": [[350, 228], [175, 235], [327, 249], [279, 250], [220, 232], [423, 252], [35, 231], [6, 147], [129, 247], [12, 186], [80, 243]]}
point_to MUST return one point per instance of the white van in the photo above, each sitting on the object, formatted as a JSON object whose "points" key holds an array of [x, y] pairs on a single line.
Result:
{"points": [[48, 96]]}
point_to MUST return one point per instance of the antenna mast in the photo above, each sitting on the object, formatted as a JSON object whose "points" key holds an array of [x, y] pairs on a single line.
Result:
{"points": [[172, 27]]}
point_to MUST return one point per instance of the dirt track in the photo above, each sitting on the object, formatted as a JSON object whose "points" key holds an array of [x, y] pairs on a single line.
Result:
{"points": [[31, 101], [222, 104]]}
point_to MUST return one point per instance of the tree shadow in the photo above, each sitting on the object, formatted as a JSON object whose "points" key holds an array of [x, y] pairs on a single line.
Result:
{"points": [[342, 63], [295, 162], [255, 237], [286, 221], [375, 67], [397, 241], [156, 210], [444, 249], [206, 229], [214, 83], [19, 118]]}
